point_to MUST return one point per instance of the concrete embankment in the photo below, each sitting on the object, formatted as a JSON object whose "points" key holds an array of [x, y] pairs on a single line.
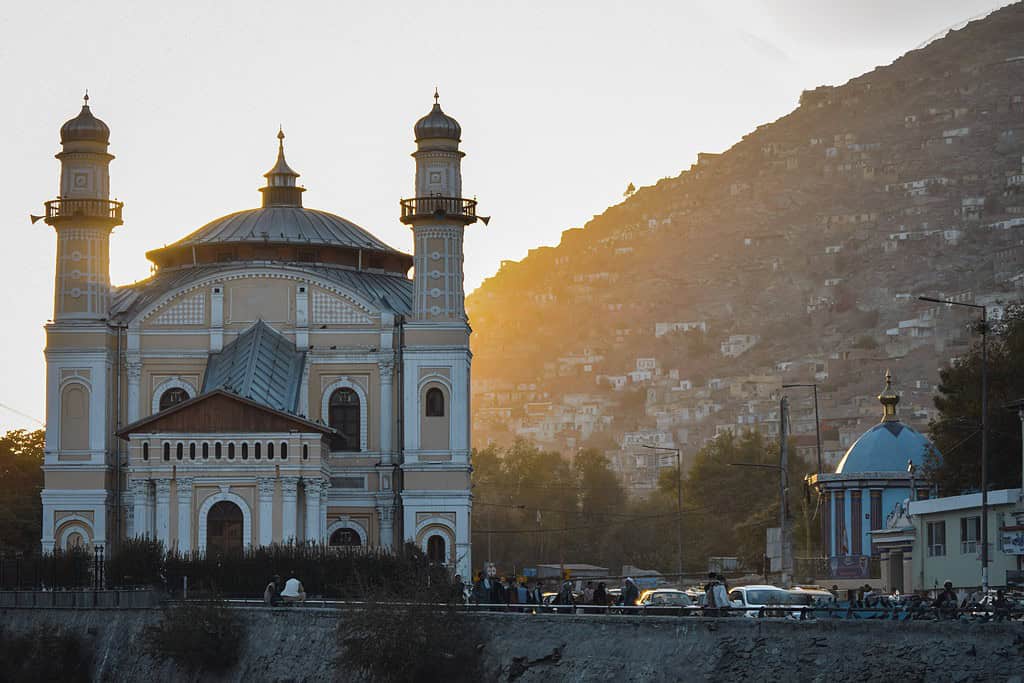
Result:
{"points": [[300, 644]]}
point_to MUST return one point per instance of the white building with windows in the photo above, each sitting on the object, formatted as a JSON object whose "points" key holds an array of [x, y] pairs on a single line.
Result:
{"points": [[278, 378]]}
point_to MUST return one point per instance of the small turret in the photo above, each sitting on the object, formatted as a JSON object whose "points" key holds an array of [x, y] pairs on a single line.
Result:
{"points": [[281, 189], [889, 400]]}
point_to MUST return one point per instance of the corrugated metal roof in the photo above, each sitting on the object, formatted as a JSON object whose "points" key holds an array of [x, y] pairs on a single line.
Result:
{"points": [[261, 365], [291, 224], [385, 290]]}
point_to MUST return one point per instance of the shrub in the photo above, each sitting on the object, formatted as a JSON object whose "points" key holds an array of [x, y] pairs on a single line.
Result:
{"points": [[409, 644], [136, 562], [197, 636], [48, 653]]}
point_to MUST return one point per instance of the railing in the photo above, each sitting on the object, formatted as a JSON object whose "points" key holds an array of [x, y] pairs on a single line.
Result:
{"points": [[92, 208], [451, 207]]}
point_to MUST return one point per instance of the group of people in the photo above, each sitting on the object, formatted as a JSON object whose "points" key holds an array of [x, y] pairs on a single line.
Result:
{"points": [[512, 593], [292, 593]]}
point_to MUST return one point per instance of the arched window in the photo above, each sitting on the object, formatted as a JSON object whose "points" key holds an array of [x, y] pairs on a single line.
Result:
{"points": [[270, 449], [284, 450], [343, 415], [172, 397], [216, 450], [231, 451], [436, 549], [179, 450], [256, 451], [167, 451], [345, 537], [145, 451], [191, 451], [206, 450], [245, 451], [435, 402], [305, 451]]}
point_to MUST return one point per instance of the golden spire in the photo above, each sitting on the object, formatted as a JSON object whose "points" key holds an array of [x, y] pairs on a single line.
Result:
{"points": [[889, 399]]}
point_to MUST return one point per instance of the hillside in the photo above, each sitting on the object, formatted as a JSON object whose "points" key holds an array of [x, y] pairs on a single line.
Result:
{"points": [[794, 256]]}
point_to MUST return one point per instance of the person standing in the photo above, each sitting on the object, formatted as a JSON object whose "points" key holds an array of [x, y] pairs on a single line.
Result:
{"points": [[630, 592], [601, 595], [458, 590]]}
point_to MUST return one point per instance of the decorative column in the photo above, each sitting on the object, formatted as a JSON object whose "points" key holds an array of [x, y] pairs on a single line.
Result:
{"points": [[325, 486], [289, 508], [312, 489], [185, 514], [386, 515], [140, 500], [266, 511], [134, 370], [163, 511], [387, 426]]}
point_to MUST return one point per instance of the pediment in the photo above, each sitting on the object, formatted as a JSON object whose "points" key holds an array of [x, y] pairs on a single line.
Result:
{"points": [[221, 411]]}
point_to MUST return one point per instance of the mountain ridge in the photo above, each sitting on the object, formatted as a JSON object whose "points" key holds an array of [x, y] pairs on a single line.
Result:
{"points": [[812, 233]]}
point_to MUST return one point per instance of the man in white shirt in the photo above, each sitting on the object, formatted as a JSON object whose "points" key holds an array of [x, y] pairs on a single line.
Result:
{"points": [[293, 591]]}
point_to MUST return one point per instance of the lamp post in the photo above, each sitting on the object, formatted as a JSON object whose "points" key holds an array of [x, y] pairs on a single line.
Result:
{"points": [[679, 503], [817, 420], [984, 430]]}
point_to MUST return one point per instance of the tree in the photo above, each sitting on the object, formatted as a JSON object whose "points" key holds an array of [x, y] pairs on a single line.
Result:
{"points": [[630, 191], [21, 480], [956, 430]]}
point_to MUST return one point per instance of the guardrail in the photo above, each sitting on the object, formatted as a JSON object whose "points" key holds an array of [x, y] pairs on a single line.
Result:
{"points": [[790, 612]]}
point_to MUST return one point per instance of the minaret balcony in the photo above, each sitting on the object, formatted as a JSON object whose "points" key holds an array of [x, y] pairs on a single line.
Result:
{"points": [[454, 208], [60, 209]]}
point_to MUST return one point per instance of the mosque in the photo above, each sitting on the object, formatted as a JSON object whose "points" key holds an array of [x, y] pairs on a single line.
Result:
{"points": [[278, 378], [865, 500]]}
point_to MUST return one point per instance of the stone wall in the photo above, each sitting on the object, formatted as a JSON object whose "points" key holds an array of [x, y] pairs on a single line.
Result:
{"points": [[288, 644]]}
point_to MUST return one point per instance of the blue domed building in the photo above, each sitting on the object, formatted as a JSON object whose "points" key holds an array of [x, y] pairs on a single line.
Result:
{"points": [[869, 490]]}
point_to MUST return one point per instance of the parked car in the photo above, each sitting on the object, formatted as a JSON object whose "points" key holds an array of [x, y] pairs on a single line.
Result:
{"points": [[812, 597], [667, 601], [754, 598]]}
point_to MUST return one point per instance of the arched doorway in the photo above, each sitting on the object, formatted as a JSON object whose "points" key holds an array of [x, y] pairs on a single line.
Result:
{"points": [[436, 550], [224, 528], [345, 537]]}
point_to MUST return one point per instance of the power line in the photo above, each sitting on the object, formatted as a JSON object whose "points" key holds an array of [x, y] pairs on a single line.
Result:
{"points": [[24, 415]]}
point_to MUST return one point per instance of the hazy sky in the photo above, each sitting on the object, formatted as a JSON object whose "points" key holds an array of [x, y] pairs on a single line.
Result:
{"points": [[562, 104]]}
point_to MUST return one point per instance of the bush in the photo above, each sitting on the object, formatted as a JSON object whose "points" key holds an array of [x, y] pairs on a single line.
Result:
{"points": [[197, 636], [47, 653], [136, 562], [409, 644]]}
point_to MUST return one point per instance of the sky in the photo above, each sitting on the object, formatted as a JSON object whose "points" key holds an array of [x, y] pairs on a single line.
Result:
{"points": [[562, 105]]}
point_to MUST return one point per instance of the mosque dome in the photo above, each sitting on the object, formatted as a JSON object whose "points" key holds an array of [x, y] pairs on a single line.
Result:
{"points": [[85, 127], [889, 445], [437, 124]]}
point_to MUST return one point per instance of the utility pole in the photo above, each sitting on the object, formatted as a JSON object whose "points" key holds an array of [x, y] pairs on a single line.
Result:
{"points": [[787, 550], [984, 430], [679, 503]]}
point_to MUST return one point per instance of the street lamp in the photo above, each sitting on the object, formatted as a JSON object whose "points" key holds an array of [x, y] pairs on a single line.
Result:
{"points": [[817, 421], [984, 430], [679, 503]]}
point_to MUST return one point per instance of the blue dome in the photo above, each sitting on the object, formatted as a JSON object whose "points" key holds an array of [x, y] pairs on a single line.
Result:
{"points": [[886, 447]]}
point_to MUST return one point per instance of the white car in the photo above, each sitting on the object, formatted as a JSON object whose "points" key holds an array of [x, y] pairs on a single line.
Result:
{"points": [[754, 598]]}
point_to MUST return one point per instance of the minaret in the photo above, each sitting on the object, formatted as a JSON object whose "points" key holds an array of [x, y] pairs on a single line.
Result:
{"points": [[83, 217], [438, 215]]}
